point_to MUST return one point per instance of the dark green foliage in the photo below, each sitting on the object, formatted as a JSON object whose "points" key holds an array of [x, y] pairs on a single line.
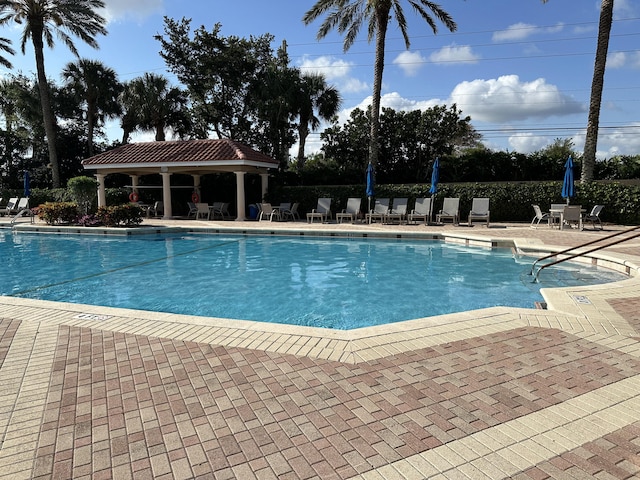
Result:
{"points": [[58, 213], [127, 215]]}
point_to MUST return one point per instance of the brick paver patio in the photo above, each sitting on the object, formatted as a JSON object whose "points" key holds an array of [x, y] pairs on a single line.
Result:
{"points": [[496, 393]]}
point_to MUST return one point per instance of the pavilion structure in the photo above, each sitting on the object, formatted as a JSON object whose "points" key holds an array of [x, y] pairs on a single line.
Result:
{"points": [[190, 157]]}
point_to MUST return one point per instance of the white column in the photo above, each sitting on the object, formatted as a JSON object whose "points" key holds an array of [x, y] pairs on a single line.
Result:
{"points": [[166, 194], [102, 195], [196, 185], [240, 200], [265, 184]]}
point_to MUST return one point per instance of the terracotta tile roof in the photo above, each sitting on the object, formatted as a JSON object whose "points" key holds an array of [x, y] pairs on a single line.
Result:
{"points": [[180, 152]]}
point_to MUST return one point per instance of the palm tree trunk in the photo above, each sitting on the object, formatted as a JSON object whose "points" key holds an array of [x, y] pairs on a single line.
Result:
{"points": [[90, 128], [381, 33], [47, 113], [303, 133], [597, 85]]}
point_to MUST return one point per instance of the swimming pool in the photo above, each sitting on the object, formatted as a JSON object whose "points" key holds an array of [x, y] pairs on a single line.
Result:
{"points": [[339, 283]]}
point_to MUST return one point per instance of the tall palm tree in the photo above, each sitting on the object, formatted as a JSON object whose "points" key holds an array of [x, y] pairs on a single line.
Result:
{"points": [[597, 86], [98, 88], [315, 96], [5, 46], [349, 15], [40, 20], [150, 103]]}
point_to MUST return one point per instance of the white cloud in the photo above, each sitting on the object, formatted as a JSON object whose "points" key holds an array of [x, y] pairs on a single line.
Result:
{"points": [[521, 31], [454, 54], [527, 142], [410, 62], [126, 9], [635, 60], [616, 60], [334, 70], [517, 31], [507, 99]]}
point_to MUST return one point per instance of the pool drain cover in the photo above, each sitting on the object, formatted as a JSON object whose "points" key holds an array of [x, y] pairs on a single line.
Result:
{"points": [[91, 316]]}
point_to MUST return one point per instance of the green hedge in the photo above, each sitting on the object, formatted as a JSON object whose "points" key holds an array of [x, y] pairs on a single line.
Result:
{"points": [[509, 201]]}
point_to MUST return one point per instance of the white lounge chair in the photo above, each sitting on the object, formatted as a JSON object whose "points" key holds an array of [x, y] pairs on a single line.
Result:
{"points": [[594, 216], [193, 210], [10, 207], [380, 209], [421, 210], [450, 210], [397, 210], [322, 211], [479, 210], [540, 215], [202, 210], [351, 212], [157, 210]]}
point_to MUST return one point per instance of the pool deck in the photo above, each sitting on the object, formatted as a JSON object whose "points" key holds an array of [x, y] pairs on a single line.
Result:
{"points": [[93, 392]]}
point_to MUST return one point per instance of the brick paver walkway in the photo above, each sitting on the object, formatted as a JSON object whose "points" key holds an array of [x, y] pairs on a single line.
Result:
{"points": [[503, 394]]}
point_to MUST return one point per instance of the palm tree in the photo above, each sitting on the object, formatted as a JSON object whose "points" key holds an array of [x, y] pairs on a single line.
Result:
{"points": [[98, 88], [151, 104], [597, 86], [5, 46], [40, 19], [315, 96], [348, 16]]}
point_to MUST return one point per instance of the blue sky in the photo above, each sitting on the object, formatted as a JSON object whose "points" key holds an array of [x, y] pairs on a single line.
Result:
{"points": [[520, 69]]}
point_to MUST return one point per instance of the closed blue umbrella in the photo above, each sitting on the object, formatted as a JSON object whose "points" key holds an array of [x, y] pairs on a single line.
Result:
{"points": [[370, 183], [435, 176], [568, 188], [27, 184]]}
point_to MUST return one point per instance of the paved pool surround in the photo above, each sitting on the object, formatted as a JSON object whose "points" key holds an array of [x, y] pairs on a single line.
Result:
{"points": [[95, 392]]}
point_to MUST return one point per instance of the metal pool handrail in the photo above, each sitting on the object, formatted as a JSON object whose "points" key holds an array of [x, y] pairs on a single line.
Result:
{"points": [[570, 257]]}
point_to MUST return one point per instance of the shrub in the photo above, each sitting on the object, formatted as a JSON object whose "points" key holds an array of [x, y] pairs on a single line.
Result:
{"points": [[120, 215], [57, 213], [83, 191]]}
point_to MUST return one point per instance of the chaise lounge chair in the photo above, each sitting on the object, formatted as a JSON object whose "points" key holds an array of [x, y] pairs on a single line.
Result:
{"points": [[351, 212], [380, 209], [8, 209], [397, 211], [322, 211], [450, 210], [421, 210], [479, 210]]}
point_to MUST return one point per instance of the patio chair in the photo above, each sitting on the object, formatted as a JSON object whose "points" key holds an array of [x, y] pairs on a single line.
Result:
{"points": [[555, 212], [539, 216], [202, 210], [290, 213], [351, 212], [266, 210], [450, 210], [157, 210], [322, 211], [397, 210], [421, 209], [594, 216], [193, 210], [572, 214], [219, 210], [380, 209], [479, 210]]}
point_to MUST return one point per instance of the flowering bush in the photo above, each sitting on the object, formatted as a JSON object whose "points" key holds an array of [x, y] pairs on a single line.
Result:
{"points": [[89, 221], [120, 215], [57, 213]]}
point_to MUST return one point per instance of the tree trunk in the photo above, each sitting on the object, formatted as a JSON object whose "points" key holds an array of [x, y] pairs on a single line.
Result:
{"points": [[381, 33], [597, 85], [90, 127], [45, 101], [303, 133]]}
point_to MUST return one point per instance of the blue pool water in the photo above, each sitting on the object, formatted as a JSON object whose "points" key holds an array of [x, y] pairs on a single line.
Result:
{"points": [[334, 283]]}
